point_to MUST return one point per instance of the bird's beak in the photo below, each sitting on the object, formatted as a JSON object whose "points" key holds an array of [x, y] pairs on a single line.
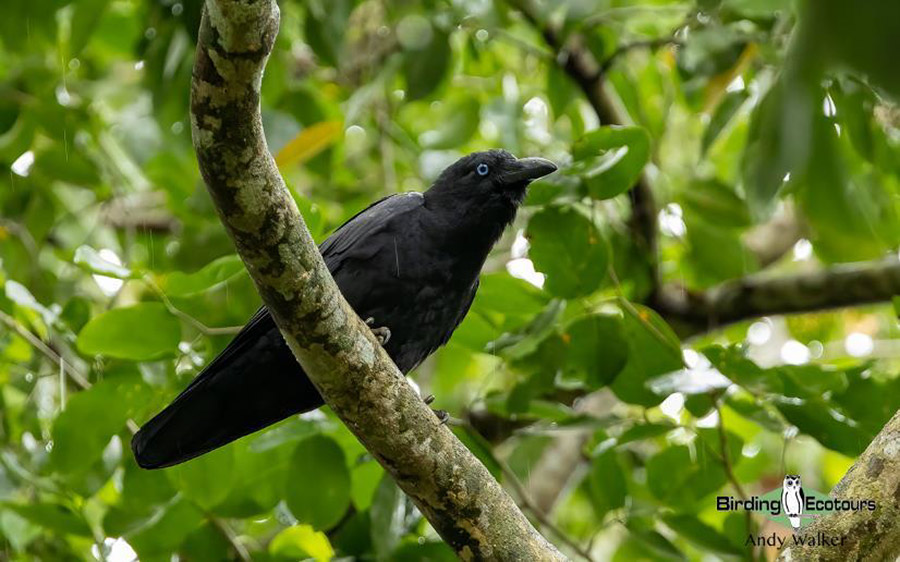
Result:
{"points": [[525, 170]]}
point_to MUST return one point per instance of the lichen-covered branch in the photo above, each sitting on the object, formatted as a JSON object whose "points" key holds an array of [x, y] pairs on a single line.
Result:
{"points": [[692, 312], [864, 535], [457, 495]]}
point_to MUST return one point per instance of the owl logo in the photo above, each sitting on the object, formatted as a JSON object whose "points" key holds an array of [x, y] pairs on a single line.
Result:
{"points": [[792, 500]]}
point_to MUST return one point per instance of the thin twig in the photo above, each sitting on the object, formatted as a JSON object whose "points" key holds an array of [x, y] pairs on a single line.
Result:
{"points": [[726, 463], [48, 351], [232, 538], [538, 513], [200, 326]]}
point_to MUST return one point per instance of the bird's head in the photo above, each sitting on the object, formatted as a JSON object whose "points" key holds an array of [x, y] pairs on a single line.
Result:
{"points": [[488, 180]]}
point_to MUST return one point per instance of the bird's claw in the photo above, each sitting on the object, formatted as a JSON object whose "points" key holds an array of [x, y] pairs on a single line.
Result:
{"points": [[442, 415], [382, 334]]}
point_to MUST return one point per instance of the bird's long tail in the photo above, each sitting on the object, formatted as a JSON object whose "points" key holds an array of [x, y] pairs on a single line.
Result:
{"points": [[253, 383], [795, 523]]}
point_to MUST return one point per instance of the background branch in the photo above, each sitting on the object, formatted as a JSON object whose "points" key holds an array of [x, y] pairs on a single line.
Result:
{"points": [[454, 491], [692, 312]]}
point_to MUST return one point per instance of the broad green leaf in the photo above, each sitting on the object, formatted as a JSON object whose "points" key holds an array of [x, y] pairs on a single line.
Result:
{"points": [[388, 513], [701, 534], [318, 489], [679, 479], [85, 18], [722, 116], [213, 274], [425, 68], [301, 542], [596, 348], [166, 529], [424, 551], [561, 91], [308, 143], [91, 418], [818, 419], [869, 398], [459, 126], [569, 249], [610, 159], [54, 517], [716, 203], [141, 332], [365, 479], [653, 350], [324, 28], [731, 362], [206, 480], [606, 484]]}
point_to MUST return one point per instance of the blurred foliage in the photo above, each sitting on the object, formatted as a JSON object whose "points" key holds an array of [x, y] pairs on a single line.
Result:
{"points": [[117, 282]]}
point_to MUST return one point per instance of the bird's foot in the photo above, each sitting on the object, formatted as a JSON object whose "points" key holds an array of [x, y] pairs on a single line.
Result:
{"points": [[442, 415], [382, 334]]}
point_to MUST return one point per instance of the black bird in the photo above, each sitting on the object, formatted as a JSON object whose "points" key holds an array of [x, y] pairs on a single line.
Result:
{"points": [[409, 261]]}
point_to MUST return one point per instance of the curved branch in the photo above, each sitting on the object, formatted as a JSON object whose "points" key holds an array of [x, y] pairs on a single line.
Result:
{"points": [[692, 312], [457, 495], [864, 535]]}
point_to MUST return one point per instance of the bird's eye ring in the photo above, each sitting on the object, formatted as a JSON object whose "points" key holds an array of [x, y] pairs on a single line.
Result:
{"points": [[482, 169]]}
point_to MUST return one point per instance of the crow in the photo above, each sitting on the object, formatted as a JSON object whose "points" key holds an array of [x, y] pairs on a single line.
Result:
{"points": [[409, 263]]}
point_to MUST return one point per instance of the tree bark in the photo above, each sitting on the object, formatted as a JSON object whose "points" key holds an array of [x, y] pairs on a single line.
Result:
{"points": [[868, 535], [454, 491]]}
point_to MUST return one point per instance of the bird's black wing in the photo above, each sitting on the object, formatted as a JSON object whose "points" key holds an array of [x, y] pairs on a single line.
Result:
{"points": [[255, 381], [366, 223]]}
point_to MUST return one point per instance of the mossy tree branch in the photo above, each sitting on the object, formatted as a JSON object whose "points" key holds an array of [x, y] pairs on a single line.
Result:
{"points": [[454, 491]]}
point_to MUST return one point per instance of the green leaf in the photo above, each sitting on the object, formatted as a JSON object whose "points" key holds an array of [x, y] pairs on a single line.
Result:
{"points": [[53, 517], [460, 124], [679, 479], [701, 534], [207, 479], [366, 477], [606, 484], [561, 91], [424, 551], [388, 514], [653, 350], [91, 418], [818, 419], [89, 259], [85, 18], [213, 274], [716, 203], [425, 68], [596, 348], [732, 363], [301, 542], [610, 159], [318, 489], [569, 249], [166, 529], [725, 111], [324, 28], [140, 333]]}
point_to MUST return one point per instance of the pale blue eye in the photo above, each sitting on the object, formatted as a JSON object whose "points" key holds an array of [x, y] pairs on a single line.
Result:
{"points": [[482, 169]]}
